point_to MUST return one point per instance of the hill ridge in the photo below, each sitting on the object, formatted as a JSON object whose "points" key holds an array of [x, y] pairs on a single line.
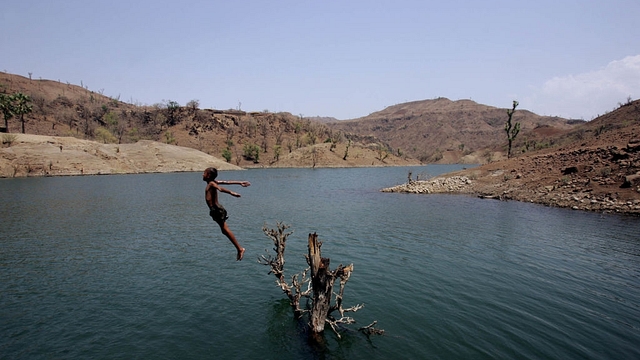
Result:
{"points": [[444, 130]]}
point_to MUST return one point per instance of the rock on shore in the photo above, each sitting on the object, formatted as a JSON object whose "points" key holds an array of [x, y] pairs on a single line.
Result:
{"points": [[453, 184], [603, 179]]}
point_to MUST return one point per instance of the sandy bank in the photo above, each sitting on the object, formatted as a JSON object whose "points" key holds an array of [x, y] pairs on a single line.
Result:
{"points": [[38, 155]]}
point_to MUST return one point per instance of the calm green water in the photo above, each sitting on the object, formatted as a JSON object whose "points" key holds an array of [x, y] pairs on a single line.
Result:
{"points": [[123, 267]]}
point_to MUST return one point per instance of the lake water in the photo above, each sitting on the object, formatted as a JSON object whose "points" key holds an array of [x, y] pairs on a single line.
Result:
{"points": [[131, 266]]}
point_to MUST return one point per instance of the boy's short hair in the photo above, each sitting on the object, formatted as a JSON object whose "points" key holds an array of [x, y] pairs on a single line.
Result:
{"points": [[212, 173]]}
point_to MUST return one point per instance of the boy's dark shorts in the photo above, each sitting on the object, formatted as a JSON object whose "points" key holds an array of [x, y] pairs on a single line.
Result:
{"points": [[219, 215]]}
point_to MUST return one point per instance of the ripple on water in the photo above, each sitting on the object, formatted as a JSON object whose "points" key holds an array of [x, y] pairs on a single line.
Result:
{"points": [[127, 266]]}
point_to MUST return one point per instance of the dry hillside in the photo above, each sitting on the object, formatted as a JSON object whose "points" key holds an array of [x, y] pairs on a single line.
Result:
{"points": [[246, 139], [448, 131]]}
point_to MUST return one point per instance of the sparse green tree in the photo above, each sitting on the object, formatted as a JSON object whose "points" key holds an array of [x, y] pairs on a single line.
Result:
{"points": [[264, 131], [169, 138], [22, 106], [382, 151], [251, 152], [112, 122], [314, 155], [134, 135], [120, 130], [110, 119], [230, 132], [511, 129], [226, 154], [105, 135], [312, 134], [279, 134], [172, 112], [332, 143], [276, 152], [6, 107]]}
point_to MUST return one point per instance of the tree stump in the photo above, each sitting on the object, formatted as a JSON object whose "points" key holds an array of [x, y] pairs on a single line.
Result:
{"points": [[322, 279]]}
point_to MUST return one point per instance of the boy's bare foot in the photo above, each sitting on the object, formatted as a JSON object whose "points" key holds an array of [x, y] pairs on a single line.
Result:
{"points": [[240, 254]]}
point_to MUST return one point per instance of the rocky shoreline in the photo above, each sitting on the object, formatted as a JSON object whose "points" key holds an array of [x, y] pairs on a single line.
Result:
{"points": [[567, 194], [438, 185]]}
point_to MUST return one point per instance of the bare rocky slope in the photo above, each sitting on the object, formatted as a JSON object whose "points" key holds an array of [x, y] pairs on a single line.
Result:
{"points": [[461, 131], [597, 169]]}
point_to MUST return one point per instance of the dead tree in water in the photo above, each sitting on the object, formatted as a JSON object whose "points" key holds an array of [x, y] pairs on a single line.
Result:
{"points": [[317, 286]]}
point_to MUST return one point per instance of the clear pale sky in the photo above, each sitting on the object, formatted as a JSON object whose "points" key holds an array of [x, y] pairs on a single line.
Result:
{"points": [[344, 59]]}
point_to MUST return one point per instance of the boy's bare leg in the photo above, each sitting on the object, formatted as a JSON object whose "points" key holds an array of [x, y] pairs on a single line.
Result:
{"points": [[227, 232]]}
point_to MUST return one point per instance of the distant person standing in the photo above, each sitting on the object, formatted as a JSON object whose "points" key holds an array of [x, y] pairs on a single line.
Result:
{"points": [[216, 211]]}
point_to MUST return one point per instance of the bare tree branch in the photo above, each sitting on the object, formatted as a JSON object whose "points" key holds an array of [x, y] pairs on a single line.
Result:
{"points": [[294, 290], [370, 330]]}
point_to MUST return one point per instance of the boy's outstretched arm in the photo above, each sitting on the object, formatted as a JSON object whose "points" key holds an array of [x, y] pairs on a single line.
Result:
{"points": [[225, 190], [234, 182]]}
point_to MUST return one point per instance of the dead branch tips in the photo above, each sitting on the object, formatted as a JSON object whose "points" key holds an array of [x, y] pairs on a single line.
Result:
{"points": [[293, 290]]}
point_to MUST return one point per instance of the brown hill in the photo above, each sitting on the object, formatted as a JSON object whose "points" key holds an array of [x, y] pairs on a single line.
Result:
{"points": [[595, 166], [448, 131], [246, 139]]}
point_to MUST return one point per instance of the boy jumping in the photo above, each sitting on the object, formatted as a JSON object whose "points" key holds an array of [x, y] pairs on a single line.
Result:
{"points": [[216, 211]]}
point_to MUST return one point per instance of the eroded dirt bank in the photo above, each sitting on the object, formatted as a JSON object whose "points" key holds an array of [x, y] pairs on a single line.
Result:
{"points": [[605, 179], [39, 155]]}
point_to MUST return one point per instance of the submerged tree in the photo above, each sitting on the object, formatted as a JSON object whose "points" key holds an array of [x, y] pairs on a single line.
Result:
{"points": [[315, 283], [512, 130]]}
